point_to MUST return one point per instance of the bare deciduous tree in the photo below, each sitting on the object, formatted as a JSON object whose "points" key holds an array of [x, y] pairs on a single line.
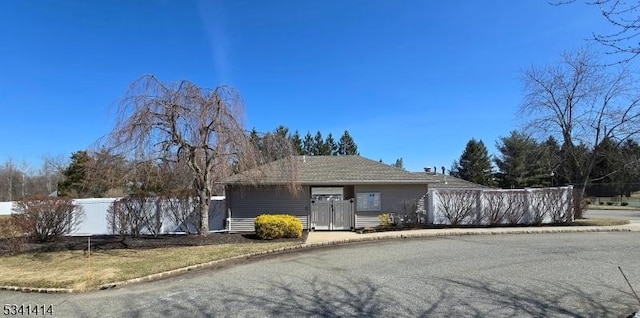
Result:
{"points": [[202, 128], [624, 17], [582, 103], [51, 171]]}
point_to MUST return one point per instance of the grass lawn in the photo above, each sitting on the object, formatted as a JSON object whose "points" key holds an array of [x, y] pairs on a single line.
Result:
{"points": [[73, 269], [601, 222]]}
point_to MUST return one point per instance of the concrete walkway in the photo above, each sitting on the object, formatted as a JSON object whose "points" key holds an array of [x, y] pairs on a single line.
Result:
{"points": [[336, 237]]}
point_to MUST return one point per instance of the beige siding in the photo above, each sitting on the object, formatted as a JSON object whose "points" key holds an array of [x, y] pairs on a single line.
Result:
{"points": [[251, 202], [393, 199], [248, 224]]}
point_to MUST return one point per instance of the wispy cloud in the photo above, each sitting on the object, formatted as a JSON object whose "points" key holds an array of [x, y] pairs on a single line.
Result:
{"points": [[212, 15]]}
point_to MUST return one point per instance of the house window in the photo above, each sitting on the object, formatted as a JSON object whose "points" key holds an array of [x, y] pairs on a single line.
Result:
{"points": [[368, 201]]}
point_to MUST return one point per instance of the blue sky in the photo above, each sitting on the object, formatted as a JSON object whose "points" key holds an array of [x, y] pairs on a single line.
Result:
{"points": [[411, 79]]}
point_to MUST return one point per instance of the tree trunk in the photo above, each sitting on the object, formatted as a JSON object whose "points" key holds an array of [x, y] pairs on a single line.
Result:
{"points": [[204, 214], [578, 202]]}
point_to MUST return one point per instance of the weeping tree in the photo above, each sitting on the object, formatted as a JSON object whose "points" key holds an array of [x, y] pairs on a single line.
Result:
{"points": [[201, 129]]}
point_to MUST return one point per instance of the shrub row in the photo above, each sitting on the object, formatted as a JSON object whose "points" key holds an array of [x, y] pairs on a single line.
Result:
{"points": [[275, 226], [503, 207]]}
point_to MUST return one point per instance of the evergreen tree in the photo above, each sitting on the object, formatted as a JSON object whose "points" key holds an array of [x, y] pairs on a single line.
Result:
{"points": [[308, 145], [549, 160], [319, 147], [331, 147], [282, 131], [346, 145], [255, 138], [399, 164], [630, 170], [297, 143], [75, 176], [474, 164], [607, 171], [516, 163]]}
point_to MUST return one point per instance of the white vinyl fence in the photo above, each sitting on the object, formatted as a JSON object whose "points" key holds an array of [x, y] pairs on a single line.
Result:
{"points": [[95, 216], [500, 206]]}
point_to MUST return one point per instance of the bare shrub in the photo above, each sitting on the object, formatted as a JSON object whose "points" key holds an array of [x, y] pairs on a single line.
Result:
{"points": [[134, 214], [458, 206], [550, 203], [183, 210], [12, 232], [539, 205], [515, 207], [118, 220], [495, 209], [48, 218], [559, 205], [407, 212]]}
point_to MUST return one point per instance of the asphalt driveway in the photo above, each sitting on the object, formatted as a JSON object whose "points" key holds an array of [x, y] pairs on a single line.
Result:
{"points": [[542, 275], [631, 215]]}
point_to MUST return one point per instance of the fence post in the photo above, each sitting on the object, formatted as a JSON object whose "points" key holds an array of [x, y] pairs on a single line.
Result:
{"points": [[479, 207], [527, 206]]}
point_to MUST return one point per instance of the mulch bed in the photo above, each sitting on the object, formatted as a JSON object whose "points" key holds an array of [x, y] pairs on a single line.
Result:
{"points": [[108, 242]]}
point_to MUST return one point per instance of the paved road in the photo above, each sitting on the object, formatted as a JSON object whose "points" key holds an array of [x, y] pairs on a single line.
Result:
{"points": [[550, 275], [632, 215]]}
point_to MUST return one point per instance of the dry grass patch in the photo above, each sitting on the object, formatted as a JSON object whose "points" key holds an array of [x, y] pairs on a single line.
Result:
{"points": [[601, 222], [74, 269]]}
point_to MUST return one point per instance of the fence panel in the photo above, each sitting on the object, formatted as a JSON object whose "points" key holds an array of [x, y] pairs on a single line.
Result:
{"points": [[500, 206]]}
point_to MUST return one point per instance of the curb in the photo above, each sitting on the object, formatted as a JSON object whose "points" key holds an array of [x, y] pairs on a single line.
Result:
{"points": [[183, 270], [468, 232], [38, 290]]}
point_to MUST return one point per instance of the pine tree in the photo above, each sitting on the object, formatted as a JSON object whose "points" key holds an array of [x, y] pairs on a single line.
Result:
{"points": [[331, 147], [75, 176], [308, 145], [297, 143], [319, 147], [474, 164], [255, 138], [282, 131], [517, 162], [399, 164], [346, 145]]}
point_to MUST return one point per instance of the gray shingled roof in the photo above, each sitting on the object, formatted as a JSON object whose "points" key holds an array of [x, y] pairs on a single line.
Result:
{"points": [[442, 181], [319, 170]]}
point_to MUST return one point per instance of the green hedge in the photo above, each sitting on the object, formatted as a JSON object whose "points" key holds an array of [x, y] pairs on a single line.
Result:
{"points": [[275, 226]]}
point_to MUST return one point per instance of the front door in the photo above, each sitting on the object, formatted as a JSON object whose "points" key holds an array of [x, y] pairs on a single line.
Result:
{"points": [[331, 214]]}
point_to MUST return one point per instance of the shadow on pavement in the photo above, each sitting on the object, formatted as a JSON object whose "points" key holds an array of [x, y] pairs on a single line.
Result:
{"points": [[350, 297]]}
